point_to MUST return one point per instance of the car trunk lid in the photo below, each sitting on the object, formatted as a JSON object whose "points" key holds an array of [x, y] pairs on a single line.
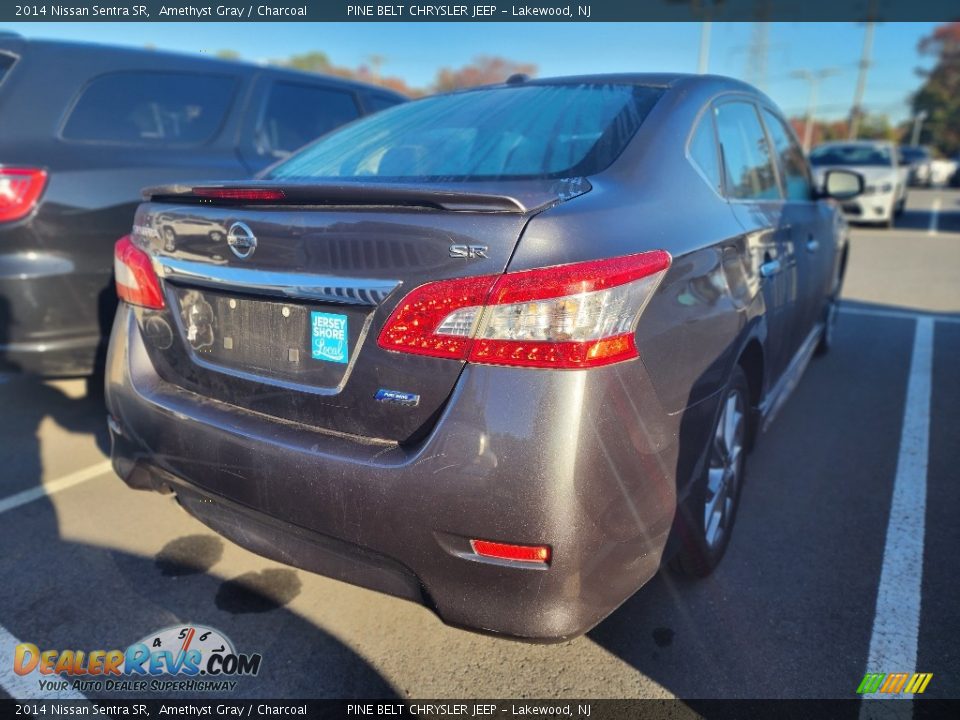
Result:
{"points": [[275, 305]]}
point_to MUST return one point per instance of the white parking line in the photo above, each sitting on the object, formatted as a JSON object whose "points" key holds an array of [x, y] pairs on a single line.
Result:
{"points": [[896, 624], [934, 215], [54, 486], [25, 687], [900, 314]]}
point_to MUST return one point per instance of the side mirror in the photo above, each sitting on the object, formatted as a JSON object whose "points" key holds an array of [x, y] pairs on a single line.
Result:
{"points": [[842, 184]]}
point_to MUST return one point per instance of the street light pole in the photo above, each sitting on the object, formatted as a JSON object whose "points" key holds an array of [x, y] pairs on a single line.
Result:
{"points": [[917, 124], [865, 63], [704, 60], [813, 78]]}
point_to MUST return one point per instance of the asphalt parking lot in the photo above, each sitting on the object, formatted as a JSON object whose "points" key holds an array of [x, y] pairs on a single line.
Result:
{"points": [[792, 612]]}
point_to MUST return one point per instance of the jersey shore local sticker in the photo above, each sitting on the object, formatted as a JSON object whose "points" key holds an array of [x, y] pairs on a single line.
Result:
{"points": [[328, 332]]}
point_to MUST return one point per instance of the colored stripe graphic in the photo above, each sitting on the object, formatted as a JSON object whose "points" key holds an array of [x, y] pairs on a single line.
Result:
{"points": [[918, 683], [893, 683], [870, 683]]}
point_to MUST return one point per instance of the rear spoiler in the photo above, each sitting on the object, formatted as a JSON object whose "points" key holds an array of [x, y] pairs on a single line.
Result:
{"points": [[473, 197]]}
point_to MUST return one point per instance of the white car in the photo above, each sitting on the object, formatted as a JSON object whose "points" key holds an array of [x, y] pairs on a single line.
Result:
{"points": [[885, 179]]}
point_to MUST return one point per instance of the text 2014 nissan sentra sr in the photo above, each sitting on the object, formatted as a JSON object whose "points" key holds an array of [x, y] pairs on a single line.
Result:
{"points": [[500, 351]]}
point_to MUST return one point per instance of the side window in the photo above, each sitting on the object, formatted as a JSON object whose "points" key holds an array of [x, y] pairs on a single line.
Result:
{"points": [[704, 153], [746, 156], [151, 108], [793, 166], [376, 103], [295, 114]]}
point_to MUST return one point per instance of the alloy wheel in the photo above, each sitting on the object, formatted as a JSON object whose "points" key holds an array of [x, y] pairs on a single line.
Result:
{"points": [[723, 475]]}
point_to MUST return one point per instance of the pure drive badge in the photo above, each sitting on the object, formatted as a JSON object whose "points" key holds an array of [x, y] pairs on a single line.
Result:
{"points": [[328, 332], [397, 397]]}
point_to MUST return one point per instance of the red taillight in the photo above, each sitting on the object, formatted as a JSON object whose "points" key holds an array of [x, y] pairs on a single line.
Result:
{"points": [[249, 194], [20, 188], [517, 553], [137, 283], [568, 316]]}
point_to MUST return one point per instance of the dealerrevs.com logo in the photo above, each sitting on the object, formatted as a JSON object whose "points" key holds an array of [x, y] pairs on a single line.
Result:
{"points": [[176, 659]]}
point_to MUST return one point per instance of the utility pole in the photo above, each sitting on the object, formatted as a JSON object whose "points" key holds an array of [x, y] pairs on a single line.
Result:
{"points": [[917, 124], [703, 61], [813, 78], [857, 110], [757, 53]]}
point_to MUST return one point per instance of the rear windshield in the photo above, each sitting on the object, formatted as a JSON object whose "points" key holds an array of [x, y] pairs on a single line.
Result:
{"points": [[529, 131], [877, 155], [151, 108]]}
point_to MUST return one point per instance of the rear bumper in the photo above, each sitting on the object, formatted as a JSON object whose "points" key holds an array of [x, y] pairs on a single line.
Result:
{"points": [[50, 314], [528, 457]]}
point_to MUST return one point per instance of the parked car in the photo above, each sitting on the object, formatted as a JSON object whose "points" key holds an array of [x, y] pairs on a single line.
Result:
{"points": [[82, 128], [885, 195], [918, 160], [942, 170], [500, 351]]}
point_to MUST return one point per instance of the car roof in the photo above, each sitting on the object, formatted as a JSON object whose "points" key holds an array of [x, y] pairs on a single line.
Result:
{"points": [[19, 45]]}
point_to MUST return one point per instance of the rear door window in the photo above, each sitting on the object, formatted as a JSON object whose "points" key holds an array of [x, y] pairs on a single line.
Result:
{"points": [[747, 161], [296, 114], [151, 108], [793, 166]]}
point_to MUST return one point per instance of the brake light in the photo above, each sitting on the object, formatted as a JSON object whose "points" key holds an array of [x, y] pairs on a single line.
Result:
{"points": [[517, 553], [137, 283], [567, 316], [20, 188], [250, 194]]}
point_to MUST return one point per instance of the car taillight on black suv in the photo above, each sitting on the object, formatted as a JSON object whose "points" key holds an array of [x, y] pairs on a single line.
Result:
{"points": [[20, 189]]}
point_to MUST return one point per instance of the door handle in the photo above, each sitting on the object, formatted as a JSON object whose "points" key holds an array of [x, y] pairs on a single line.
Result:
{"points": [[770, 268], [813, 245]]}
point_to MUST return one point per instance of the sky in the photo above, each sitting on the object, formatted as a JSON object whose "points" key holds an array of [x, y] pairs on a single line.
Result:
{"points": [[414, 51]]}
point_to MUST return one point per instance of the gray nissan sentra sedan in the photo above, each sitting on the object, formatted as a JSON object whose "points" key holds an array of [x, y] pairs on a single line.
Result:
{"points": [[500, 351]]}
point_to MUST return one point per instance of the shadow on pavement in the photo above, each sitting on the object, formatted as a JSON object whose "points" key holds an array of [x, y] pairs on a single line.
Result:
{"points": [[61, 594]]}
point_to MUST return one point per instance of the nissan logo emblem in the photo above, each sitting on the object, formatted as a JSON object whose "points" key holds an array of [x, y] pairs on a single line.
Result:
{"points": [[241, 240]]}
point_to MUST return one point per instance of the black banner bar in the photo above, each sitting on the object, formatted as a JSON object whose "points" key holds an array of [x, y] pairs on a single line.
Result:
{"points": [[477, 11], [483, 709]]}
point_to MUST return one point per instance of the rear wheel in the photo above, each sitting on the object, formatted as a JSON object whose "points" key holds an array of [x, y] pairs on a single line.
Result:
{"points": [[708, 515]]}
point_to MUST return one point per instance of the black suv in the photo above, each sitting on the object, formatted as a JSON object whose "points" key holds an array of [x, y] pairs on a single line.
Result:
{"points": [[82, 128]]}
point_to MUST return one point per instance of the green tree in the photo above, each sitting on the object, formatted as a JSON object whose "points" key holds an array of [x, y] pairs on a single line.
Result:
{"points": [[228, 54], [939, 95]]}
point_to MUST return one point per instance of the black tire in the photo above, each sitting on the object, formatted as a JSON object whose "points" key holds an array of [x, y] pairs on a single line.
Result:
{"points": [[830, 314], [700, 550]]}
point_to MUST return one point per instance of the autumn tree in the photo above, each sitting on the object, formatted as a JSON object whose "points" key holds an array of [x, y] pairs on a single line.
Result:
{"points": [[319, 62], [484, 70], [939, 96]]}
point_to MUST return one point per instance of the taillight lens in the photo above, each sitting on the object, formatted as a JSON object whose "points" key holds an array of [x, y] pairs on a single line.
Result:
{"points": [[20, 188], [137, 283], [568, 316]]}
